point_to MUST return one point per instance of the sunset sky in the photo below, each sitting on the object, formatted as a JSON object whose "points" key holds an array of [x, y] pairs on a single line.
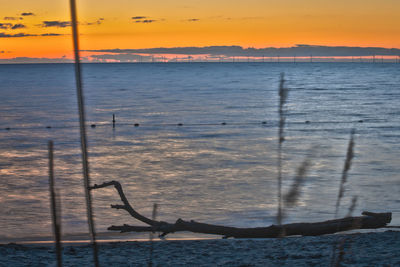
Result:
{"points": [[40, 28]]}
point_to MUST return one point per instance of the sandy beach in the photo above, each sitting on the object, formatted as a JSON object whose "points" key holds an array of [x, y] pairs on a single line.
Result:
{"points": [[360, 249]]}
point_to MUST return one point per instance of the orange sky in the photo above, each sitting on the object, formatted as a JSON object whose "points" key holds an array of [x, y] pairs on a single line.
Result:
{"points": [[171, 23]]}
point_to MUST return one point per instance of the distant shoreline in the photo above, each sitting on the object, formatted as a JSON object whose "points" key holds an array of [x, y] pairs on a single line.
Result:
{"points": [[315, 61]]}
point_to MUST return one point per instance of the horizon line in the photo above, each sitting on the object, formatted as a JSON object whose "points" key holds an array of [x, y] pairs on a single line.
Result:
{"points": [[299, 52]]}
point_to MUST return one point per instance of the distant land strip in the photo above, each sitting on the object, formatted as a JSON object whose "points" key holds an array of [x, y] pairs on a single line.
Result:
{"points": [[297, 53], [300, 50]]}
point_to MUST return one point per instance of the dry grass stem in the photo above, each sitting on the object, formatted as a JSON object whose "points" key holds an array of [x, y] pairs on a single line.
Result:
{"points": [[55, 206], [292, 196], [153, 216], [346, 168], [338, 259], [352, 206], [283, 94]]}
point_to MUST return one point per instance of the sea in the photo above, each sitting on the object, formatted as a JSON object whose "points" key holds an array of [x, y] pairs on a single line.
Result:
{"points": [[200, 140]]}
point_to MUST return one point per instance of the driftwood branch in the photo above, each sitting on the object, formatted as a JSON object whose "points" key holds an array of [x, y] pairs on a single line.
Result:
{"points": [[124, 200], [368, 220]]}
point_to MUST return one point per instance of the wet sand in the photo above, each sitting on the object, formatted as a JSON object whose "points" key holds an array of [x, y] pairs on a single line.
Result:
{"points": [[359, 249]]}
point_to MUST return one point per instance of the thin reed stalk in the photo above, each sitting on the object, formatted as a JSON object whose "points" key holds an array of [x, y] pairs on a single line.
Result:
{"points": [[81, 107], [55, 207], [352, 206], [283, 94], [346, 168], [292, 196], [153, 216], [338, 250]]}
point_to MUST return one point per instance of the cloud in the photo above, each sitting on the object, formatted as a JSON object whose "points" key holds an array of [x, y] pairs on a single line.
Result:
{"points": [[179, 50], [139, 17], [192, 20], [64, 24], [18, 26], [27, 60], [13, 18], [148, 21], [55, 23], [145, 21], [230, 51], [51, 34], [27, 14], [120, 57], [17, 35], [5, 35], [97, 22], [5, 26]]}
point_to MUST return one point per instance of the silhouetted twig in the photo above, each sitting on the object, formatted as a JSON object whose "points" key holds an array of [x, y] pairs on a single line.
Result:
{"points": [[292, 196], [55, 207], [153, 217], [337, 258], [81, 106], [346, 168], [352, 206], [338, 246], [283, 94]]}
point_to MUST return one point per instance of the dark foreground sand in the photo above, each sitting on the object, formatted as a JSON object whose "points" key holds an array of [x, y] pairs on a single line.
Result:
{"points": [[368, 249]]}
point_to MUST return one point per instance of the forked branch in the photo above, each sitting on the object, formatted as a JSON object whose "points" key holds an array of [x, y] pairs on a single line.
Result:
{"points": [[369, 220], [127, 206]]}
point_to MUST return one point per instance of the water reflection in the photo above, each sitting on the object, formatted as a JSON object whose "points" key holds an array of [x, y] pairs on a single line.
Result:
{"points": [[222, 174]]}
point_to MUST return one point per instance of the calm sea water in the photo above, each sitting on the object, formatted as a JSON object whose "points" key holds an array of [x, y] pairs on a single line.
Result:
{"points": [[203, 170]]}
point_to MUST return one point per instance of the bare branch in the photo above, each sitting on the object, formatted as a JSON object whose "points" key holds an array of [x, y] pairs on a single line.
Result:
{"points": [[127, 206], [119, 207], [369, 220], [128, 228]]}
